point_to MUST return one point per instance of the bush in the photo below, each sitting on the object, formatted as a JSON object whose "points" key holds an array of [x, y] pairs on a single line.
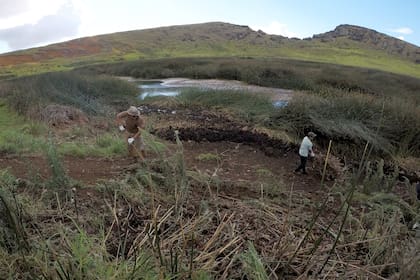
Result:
{"points": [[93, 95]]}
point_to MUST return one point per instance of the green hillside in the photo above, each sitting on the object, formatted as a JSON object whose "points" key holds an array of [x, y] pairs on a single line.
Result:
{"points": [[219, 40]]}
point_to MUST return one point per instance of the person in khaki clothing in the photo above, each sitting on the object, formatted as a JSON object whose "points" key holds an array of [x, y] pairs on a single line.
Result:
{"points": [[132, 123]]}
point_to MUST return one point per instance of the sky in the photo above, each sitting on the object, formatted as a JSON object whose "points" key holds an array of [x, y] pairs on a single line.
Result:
{"points": [[33, 23]]}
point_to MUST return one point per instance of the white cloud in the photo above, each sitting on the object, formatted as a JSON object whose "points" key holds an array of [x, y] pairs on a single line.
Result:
{"points": [[401, 37], [403, 30], [276, 28], [20, 12], [61, 25], [9, 8]]}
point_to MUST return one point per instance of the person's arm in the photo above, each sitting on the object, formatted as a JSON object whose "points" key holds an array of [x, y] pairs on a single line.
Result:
{"points": [[121, 117], [120, 120]]}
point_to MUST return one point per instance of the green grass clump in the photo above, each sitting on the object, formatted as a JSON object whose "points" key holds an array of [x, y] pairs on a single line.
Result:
{"points": [[252, 264], [18, 135], [15, 142], [90, 261], [208, 157], [250, 107], [104, 145]]}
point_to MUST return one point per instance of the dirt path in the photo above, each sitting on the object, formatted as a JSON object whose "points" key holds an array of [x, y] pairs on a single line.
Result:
{"points": [[85, 170], [241, 162], [237, 163]]}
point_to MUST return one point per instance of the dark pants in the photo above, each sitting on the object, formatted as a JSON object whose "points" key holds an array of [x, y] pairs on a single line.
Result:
{"points": [[302, 165]]}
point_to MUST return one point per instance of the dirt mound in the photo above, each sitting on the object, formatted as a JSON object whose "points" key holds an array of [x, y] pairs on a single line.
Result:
{"points": [[261, 141], [59, 115]]}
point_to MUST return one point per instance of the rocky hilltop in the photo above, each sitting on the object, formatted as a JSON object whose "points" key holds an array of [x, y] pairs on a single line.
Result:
{"points": [[373, 39]]}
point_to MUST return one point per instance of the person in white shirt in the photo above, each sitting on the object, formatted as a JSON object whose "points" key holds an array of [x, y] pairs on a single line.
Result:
{"points": [[305, 151]]}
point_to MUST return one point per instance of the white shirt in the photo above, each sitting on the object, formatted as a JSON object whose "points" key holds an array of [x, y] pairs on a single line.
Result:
{"points": [[305, 147]]}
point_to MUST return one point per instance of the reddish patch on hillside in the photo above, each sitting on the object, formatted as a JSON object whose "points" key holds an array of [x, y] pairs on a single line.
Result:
{"points": [[14, 59], [70, 49]]}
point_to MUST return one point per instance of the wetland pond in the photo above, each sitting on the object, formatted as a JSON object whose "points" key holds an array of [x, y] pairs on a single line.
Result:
{"points": [[174, 86]]}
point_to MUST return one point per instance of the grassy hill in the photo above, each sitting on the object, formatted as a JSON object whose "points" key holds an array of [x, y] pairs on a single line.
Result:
{"points": [[347, 45]]}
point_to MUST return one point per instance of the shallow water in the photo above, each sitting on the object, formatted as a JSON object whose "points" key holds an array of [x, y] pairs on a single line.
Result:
{"points": [[156, 88], [159, 88], [280, 103]]}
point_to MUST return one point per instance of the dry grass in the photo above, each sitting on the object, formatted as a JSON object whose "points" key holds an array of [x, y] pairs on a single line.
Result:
{"points": [[200, 230]]}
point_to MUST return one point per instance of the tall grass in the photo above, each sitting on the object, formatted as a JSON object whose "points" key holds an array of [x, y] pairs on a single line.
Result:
{"points": [[249, 107], [19, 135], [59, 179], [13, 235], [389, 124], [252, 264], [94, 95], [86, 260]]}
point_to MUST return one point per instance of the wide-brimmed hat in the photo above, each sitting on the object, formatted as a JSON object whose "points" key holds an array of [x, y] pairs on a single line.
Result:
{"points": [[311, 134], [133, 111]]}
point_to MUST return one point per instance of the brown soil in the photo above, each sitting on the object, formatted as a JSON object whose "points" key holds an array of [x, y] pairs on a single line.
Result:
{"points": [[236, 162], [243, 154], [85, 170]]}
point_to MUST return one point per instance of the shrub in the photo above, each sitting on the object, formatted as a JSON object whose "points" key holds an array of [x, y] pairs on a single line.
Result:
{"points": [[92, 94]]}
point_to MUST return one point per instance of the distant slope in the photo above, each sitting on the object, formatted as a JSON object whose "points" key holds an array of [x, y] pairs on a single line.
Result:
{"points": [[346, 45], [371, 39]]}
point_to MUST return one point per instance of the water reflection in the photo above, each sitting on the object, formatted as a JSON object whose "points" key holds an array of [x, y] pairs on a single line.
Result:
{"points": [[159, 88], [156, 88], [280, 103]]}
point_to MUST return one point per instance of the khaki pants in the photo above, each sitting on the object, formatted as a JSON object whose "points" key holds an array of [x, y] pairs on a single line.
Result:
{"points": [[137, 148]]}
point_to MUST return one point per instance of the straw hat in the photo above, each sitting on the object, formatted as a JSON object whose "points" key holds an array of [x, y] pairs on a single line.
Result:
{"points": [[133, 111], [311, 134]]}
